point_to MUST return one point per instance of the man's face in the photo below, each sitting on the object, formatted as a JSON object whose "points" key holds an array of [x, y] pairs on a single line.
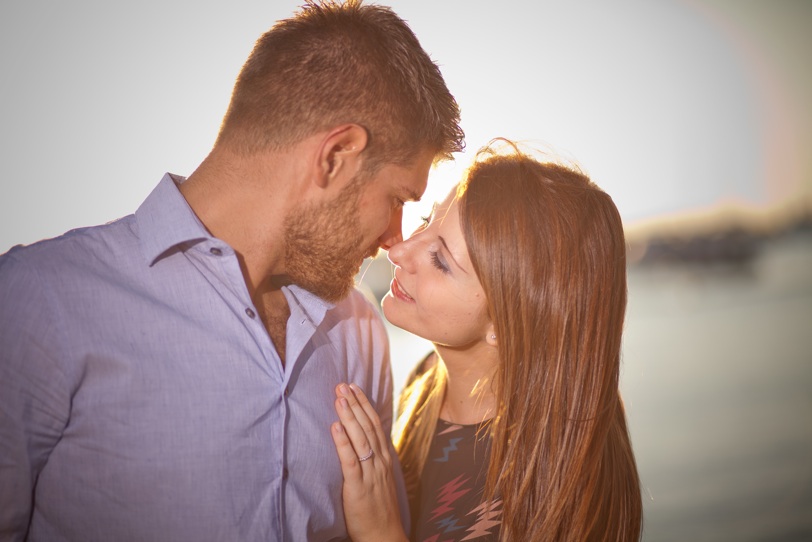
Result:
{"points": [[323, 245], [326, 244]]}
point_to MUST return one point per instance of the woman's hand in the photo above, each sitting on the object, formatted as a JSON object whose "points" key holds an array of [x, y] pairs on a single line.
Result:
{"points": [[370, 500]]}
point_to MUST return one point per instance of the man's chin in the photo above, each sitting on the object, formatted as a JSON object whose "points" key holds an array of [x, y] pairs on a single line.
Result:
{"points": [[332, 292], [340, 276], [338, 294]]}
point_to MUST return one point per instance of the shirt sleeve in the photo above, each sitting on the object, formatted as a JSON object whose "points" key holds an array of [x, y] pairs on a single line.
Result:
{"points": [[34, 401]]}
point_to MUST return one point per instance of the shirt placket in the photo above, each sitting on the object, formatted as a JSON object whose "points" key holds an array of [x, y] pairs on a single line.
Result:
{"points": [[220, 260]]}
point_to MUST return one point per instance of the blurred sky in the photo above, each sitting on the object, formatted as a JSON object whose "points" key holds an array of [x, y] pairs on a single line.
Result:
{"points": [[670, 106]]}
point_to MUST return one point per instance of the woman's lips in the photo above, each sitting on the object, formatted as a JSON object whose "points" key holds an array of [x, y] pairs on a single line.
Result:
{"points": [[398, 292]]}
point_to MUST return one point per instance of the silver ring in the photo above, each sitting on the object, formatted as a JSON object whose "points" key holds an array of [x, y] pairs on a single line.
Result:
{"points": [[368, 456]]}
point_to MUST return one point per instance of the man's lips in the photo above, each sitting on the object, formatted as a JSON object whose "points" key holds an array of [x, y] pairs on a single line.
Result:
{"points": [[398, 292]]}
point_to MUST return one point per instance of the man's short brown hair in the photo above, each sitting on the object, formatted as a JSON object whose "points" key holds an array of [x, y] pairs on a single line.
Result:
{"points": [[334, 63]]}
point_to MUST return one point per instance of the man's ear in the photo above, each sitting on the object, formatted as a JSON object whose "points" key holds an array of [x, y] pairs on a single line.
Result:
{"points": [[339, 156]]}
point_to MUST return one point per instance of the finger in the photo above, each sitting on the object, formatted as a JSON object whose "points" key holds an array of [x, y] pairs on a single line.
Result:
{"points": [[371, 422], [372, 415], [350, 467], [366, 417], [360, 439]]}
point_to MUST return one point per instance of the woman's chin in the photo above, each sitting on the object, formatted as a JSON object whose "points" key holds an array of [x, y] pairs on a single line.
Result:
{"points": [[389, 307], [386, 306]]}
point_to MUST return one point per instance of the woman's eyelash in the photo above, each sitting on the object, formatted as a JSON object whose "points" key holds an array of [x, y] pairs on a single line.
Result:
{"points": [[435, 260], [425, 220]]}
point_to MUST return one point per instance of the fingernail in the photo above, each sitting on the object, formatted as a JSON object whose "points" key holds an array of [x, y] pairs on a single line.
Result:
{"points": [[343, 389], [344, 403]]}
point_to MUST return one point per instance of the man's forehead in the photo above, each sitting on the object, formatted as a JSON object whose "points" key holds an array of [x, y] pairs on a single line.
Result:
{"points": [[412, 180]]}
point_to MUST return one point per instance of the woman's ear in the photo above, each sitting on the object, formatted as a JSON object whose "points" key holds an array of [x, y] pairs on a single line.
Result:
{"points": [[490, 335], [339, 155]]}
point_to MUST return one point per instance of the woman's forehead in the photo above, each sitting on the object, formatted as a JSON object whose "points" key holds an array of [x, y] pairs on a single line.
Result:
{"points": [[442, 208]]}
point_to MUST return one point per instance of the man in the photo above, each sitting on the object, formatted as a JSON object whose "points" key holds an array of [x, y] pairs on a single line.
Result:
{"points": [[170, 376]]}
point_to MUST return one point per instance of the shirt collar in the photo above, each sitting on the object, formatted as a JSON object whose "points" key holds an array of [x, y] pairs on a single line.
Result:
{"points": [[312, 305], [165, 220]]}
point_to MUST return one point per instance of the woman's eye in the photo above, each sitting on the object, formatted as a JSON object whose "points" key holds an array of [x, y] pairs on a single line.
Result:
{"points": [[435, 260]]}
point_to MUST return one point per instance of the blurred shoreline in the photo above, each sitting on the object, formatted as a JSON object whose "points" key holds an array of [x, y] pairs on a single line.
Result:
{"points": [[731, 235]]}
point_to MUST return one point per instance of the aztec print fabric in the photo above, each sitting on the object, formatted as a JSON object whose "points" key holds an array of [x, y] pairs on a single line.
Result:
{"points": [[450, 507]]}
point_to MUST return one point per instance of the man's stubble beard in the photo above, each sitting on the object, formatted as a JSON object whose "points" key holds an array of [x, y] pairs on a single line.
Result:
{"points": [[323, 244]]}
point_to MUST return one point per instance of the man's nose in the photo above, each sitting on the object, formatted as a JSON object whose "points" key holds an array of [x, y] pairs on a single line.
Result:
{"points": [[393, 233]]}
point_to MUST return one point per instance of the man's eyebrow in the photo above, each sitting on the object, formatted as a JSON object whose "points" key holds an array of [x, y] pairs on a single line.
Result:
{"points": [[440, 237], [411, 195]]}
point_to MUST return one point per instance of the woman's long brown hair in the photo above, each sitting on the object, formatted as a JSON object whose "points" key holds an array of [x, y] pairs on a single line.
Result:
{"points": [[549, 250]]}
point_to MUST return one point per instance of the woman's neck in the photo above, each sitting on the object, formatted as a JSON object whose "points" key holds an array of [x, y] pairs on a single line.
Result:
{"points": [[469, 396]]}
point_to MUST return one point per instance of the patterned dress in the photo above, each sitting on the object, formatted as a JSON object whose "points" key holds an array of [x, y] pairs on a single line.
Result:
{"points": [[450, 506]]}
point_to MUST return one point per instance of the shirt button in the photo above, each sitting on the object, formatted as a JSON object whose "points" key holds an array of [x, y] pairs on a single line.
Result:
{"points": [[251, 314], [216, 251]]}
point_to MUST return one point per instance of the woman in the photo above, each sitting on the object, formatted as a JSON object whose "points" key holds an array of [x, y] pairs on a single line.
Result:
{"points": [[513, 429]]}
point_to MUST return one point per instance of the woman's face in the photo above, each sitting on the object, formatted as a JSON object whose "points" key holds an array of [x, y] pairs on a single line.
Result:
{"points": [[435, 293]]}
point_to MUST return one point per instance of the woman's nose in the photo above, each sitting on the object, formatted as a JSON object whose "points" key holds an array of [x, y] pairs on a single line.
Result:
{"points": [[402, 254], [398, 253], [395, 254]]}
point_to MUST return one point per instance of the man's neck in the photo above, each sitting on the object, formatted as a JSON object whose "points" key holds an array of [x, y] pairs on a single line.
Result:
{"points": [[239, 203], [242, 205], [274, 312]]}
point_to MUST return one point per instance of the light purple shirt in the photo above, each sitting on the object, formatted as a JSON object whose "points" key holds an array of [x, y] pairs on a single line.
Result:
{"points": [[141, 397]]}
